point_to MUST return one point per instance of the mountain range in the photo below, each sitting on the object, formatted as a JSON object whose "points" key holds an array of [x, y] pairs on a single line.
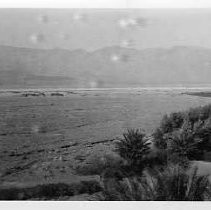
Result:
{"points": [[107, 67]]}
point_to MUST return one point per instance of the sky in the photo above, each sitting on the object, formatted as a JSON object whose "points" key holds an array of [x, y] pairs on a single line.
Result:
{"points": [[92, 29]]}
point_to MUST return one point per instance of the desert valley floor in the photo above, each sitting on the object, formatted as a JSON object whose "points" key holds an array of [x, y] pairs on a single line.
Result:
{"points": [[45, 137]]}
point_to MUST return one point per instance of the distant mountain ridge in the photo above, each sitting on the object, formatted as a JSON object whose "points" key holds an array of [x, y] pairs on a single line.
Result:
{"points": [[107, 67]]}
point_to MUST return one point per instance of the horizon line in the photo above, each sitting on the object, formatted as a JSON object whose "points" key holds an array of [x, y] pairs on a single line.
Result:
{"points": [[109, 46]]}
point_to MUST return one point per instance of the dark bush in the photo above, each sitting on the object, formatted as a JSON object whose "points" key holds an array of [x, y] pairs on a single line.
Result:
{"points": [[49, 191], [89, 187], [97, 165], [158, 159], [168, 124], [172, 122], [159, 139], [54, 190], [185, 134]]}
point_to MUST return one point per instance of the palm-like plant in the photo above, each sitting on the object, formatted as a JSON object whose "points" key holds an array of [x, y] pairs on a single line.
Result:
{"points": [[183, 145], [189, 142], [134, 147]]}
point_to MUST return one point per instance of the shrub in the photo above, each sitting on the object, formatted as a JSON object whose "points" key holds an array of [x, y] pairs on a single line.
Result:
{"points": [[49, 191], [168, 124], [185, 134], [159, 139], [100, 164], [172, 122], [134, 148], [158, 159], [175, 121]]}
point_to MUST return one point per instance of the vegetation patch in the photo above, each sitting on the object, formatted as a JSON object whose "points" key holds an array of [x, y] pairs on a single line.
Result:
{"points": [[142, 168], [171, 184], [162, 172], [49, 191], [186, 132]]}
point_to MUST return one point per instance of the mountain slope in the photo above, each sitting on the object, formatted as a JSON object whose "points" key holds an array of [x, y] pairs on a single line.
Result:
{"points": [[106, 67]]}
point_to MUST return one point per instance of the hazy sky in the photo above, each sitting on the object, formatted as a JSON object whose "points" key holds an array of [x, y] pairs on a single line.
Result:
{"points": [[91, 29]]}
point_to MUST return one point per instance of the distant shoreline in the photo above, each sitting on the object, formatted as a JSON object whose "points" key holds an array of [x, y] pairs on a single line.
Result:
{"points": [[105, 89], [200, 94]]}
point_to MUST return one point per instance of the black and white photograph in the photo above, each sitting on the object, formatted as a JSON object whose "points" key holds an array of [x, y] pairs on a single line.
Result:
{"points": [[105, 104]]}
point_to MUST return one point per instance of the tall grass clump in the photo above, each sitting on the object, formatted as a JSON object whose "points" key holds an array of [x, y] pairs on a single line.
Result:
{"points": [[176, 184], [127, 189], [172, 184]]}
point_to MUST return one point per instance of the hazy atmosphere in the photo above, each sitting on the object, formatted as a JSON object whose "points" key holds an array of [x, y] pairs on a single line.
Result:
{"points": [[104, 104], [91, 29], [119, 48]]}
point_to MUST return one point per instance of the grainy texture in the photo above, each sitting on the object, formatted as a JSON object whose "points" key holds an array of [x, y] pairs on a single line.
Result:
{"points": [[44, 139]]}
